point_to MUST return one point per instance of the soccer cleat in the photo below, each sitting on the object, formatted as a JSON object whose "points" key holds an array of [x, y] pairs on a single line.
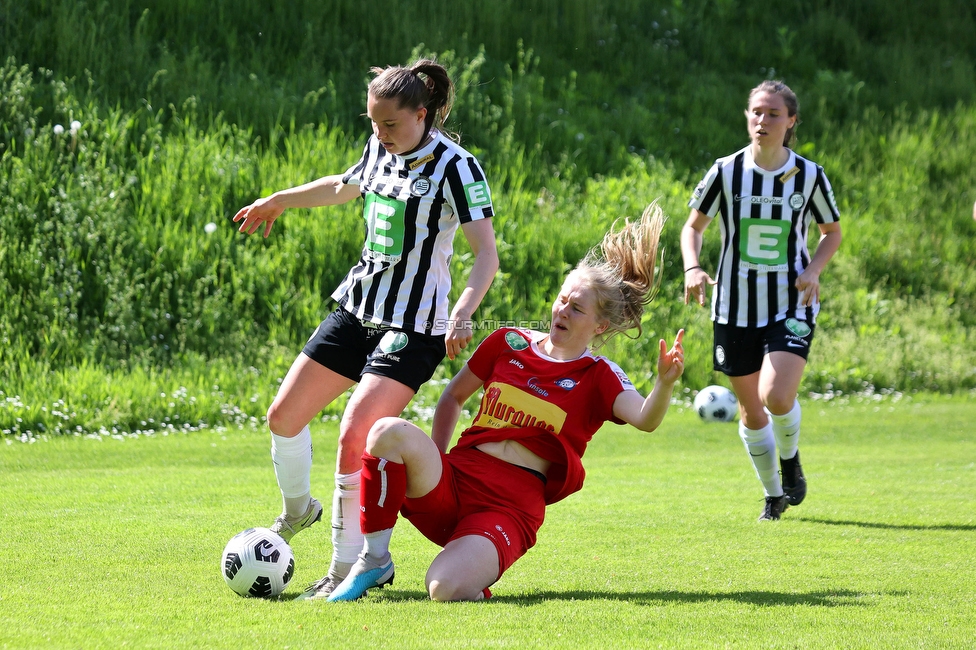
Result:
{"points": [[794, 483], [365, 574], [288, 528], [774, 508], [320, 589]]}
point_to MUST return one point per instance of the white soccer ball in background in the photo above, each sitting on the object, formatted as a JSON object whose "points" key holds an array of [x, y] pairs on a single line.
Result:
{"points": [[716, 404], [257, 562]]}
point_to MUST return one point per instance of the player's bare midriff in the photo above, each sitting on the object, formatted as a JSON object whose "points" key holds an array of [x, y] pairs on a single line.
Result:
{"points": [[516, 454]]}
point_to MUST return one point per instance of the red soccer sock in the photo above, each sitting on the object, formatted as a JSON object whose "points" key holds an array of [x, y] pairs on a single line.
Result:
{"points": [[382, 492]]}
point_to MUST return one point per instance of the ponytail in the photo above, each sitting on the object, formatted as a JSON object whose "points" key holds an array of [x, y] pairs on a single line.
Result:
{"points": [[424, 84], [622, 271]]}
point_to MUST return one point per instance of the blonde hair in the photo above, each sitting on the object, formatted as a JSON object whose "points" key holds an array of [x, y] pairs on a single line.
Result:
{"points": [[621, 271]]}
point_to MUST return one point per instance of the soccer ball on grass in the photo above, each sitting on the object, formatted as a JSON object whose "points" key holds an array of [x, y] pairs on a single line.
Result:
{"points": [[257, 562], [716, 404]]}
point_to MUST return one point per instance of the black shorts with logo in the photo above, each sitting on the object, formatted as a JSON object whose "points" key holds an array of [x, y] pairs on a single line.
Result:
{"points": [[739, 351], [351, 347]]}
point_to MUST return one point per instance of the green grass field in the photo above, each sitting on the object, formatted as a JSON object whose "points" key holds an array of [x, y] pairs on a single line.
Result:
{"points": [[116, 542]]}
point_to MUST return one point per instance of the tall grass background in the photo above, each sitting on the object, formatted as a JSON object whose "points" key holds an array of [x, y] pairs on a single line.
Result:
{"points": [[126, 129]]}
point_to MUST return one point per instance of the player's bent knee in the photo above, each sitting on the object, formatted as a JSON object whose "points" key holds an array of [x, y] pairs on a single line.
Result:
{"points": [[386, 431], [386, 425], [280, 424], [447, 591], [780, 404]]}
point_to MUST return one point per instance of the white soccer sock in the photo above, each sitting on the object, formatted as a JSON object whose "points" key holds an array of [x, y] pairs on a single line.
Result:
{"points": [[762, 452], [293, 468], [786, 429], [377, 545], [347, 538]]}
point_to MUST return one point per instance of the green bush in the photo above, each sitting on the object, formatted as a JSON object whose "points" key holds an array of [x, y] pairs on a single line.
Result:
{"points": [[173, 117]]}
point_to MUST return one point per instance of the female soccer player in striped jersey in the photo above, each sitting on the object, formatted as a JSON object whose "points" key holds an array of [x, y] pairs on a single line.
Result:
{"points": [[767, 292], [392, 326], [545, 394]]}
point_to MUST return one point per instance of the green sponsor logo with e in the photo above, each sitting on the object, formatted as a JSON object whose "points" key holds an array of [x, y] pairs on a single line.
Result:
{"points": [[477, 194], [762, 243], [384, 224]]}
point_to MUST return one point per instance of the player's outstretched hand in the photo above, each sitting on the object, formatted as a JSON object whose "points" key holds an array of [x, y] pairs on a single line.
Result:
{"points": [[263, 211], [671, 363]]}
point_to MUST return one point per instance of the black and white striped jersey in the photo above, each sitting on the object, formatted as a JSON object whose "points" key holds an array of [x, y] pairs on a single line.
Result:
{"points": [[412, 209], [764, 218]]}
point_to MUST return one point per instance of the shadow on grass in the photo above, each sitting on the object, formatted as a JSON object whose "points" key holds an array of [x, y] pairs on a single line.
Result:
{"points": [[874, 524], [829, 598]]}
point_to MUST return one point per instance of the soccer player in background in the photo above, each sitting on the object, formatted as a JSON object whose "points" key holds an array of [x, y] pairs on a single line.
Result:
{"points": [[545, 395], [766, 294], [392, 326]]}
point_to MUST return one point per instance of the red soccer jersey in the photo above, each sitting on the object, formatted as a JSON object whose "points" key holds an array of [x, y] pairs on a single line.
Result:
{"points": [[551, 407]]}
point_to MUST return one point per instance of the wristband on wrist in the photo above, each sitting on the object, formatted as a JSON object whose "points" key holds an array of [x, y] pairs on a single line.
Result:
{"points": [[692, 268]]}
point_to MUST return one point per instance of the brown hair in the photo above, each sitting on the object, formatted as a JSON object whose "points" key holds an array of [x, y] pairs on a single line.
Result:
{"points": [[789, 98], [621, 271], [424, 83]]}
